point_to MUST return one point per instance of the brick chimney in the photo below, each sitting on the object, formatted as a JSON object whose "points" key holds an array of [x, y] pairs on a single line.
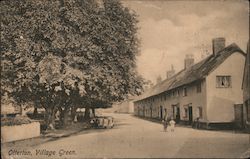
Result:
{"points": [[158, 80], [218, 45], [188, 61], [171, 72]]}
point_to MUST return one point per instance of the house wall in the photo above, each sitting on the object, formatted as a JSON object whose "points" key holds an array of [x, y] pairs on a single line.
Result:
{"points": [[217, 103], [10, 109], [126, 106], [19, 132], [131, 107], [220, 101], [166, 100]]}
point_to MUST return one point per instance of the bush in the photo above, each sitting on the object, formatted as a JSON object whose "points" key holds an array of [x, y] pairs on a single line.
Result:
{"points": [[11, 121]]}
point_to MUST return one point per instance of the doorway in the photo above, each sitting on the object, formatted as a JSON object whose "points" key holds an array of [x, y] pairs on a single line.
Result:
{"points": [[190, 115], [176, 113], [161, 112], [151, 112], [178, 116], [143, 111]]}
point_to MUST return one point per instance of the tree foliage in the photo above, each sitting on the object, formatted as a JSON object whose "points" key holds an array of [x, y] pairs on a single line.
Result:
{"points": [[69, 52]]}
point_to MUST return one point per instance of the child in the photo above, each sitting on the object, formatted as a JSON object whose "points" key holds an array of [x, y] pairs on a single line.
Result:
{"points": [[172, 124], [165, 125]]}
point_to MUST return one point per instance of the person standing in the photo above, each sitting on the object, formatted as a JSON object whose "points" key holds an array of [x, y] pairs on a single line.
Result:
{"points": [[165, 121], [165, 125], [172, 124]]}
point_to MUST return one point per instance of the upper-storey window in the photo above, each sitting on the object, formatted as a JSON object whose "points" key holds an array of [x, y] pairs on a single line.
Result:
{"points": [[184, 91], [223, 81], [198, 87], [178, 93], [173, 93]]}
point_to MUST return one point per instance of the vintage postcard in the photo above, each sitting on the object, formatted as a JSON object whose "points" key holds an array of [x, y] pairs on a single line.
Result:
{"points": [[125, 79]]}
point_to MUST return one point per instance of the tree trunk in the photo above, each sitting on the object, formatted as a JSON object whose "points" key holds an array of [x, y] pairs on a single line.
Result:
{"points": [[93, 111], [65, 117], [50, 118], [73, 113], [87, 113], [21, 109], [61, 115], [35, 113]]}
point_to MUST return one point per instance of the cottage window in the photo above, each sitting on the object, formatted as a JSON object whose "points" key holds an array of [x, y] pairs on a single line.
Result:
{"points": [[178, 93], [223, 81], [198, 87], [173, 93], [184, 91]]}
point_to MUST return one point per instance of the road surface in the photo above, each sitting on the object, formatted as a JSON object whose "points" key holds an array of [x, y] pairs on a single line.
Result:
{"points": [[135, 137]]}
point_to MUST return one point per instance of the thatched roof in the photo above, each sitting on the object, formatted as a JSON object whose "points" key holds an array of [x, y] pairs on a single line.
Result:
{"points": [[194, 73]]}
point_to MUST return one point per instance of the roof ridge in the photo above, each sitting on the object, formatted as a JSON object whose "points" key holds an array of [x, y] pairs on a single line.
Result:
{"points": [[195, 72]]}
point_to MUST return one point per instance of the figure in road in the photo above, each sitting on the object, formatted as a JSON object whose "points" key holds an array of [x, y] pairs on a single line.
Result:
{"points": [[172, 124], [165, 125], [165, 121]]}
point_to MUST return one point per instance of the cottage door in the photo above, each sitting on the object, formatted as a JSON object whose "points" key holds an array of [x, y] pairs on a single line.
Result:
{"points": [[161, 112], [143, 111], [176, 112], [178, 115], [190, 115], [151, 112]]}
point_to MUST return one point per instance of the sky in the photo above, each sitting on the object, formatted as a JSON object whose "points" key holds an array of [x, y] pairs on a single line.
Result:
{"points": [[168, 30]]}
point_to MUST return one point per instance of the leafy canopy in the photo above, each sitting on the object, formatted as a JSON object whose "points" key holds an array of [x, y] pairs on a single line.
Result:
{"points": [[70, 48]]}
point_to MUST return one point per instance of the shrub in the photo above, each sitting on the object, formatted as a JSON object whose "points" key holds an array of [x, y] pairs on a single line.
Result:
{"points": [[11, 121]]}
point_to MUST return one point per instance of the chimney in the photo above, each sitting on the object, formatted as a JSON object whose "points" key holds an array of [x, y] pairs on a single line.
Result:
{"points": [[189, 61], [158, 80], [218, 45], [171, 72]]}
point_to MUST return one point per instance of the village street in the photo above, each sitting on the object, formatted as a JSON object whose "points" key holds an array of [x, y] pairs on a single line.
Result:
{"points": [[134, 137]]}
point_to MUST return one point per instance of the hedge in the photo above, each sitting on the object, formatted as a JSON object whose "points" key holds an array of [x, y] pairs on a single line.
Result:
{"points": [[19, 120]]}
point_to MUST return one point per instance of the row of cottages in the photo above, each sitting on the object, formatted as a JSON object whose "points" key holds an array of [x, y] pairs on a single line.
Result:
{"points": [[246, 92], [206, 91]]}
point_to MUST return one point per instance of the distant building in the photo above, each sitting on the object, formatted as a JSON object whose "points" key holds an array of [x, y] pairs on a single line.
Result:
{"points": [[206, 91], [126, 106], [246, 91], [9, 107]]}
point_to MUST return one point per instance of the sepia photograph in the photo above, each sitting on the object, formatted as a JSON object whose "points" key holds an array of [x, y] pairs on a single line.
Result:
{"points": [[125, 79]]}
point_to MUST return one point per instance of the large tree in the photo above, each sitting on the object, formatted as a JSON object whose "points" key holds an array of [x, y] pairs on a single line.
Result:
{"points": [[66, 54]]}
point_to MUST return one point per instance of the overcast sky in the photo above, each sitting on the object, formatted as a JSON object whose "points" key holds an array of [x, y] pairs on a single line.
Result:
{"points": [[171, 29]]}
